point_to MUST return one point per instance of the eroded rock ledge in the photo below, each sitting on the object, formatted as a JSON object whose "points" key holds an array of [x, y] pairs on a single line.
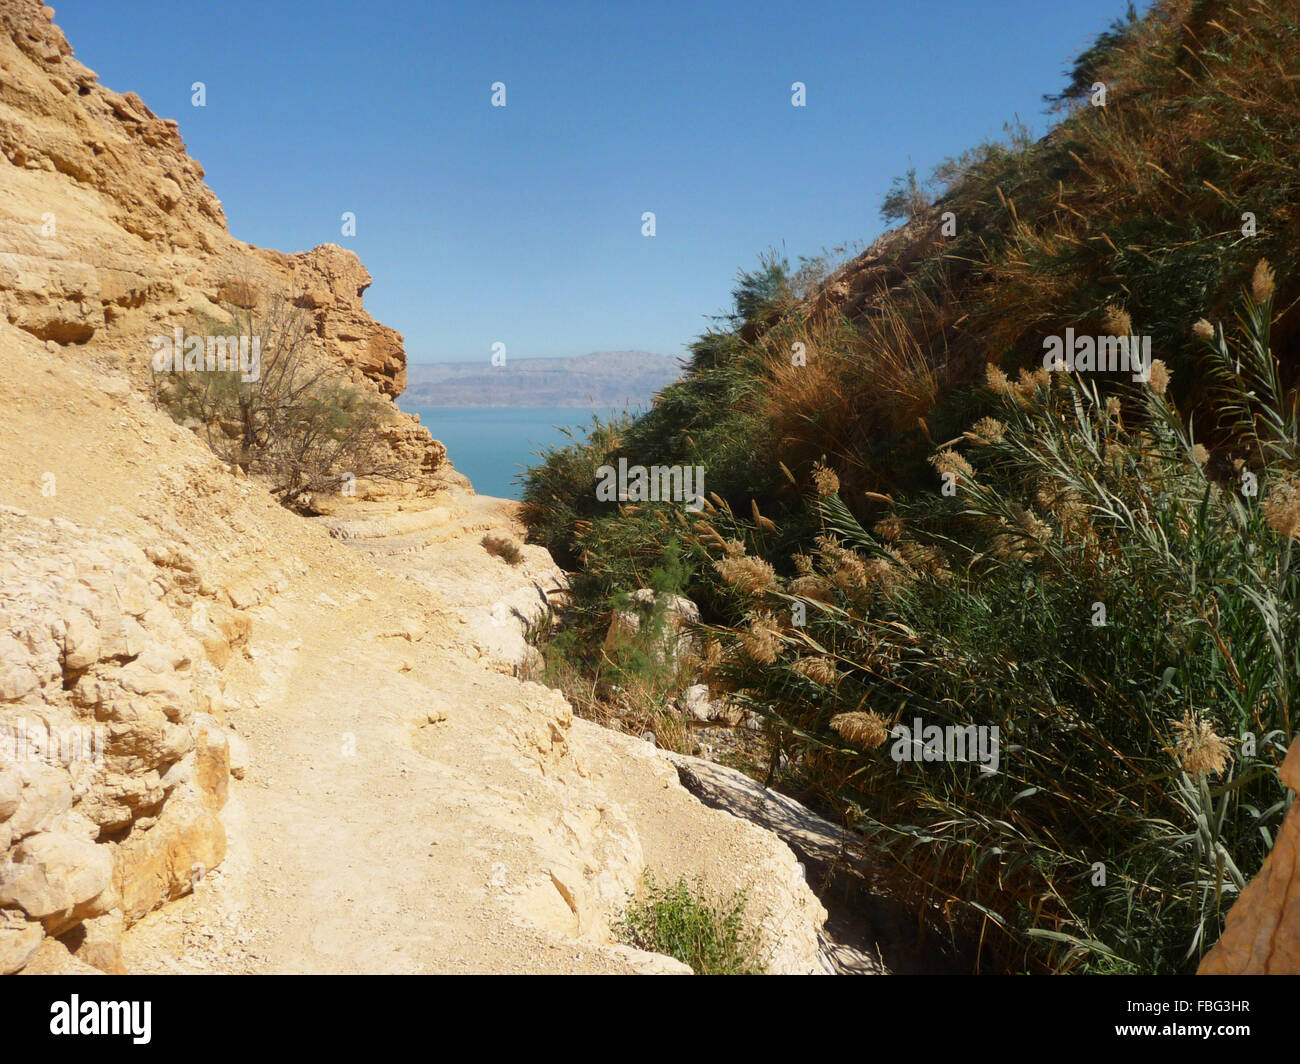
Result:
{"points": [[108, 233], [115, 761]]}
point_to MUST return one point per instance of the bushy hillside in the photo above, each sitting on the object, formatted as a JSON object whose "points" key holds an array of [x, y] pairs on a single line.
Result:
{"points": [[910, 517]]}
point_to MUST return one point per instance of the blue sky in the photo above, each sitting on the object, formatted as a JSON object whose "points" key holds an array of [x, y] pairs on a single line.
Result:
{"points": [[522, 224]]}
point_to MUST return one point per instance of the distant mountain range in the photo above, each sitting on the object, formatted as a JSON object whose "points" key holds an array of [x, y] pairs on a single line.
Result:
{"points": [[601, 380]]}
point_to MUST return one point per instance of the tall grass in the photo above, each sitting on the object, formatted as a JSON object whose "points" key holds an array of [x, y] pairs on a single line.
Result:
{"points": [[1138, 788]]}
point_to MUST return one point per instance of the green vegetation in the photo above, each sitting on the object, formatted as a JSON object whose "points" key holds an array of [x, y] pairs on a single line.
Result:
{"points": [[628, 675], [843, 591], [681, 920]]}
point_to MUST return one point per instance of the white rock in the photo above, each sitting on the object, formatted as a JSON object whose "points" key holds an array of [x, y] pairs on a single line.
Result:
{"points": [[46, 796], [53, 873], [695, 702], [80, 642], [16, 681], [11, 789], [18, 940]]}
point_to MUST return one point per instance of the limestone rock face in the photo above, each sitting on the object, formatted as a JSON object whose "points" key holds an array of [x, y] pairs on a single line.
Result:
{"points": [[98, 943], [110, 777], [19, 938], [332, 282], [1262, 934], [52, 957], [52, 874]]}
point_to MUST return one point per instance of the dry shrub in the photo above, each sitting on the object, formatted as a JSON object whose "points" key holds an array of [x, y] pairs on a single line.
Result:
{"points": [[293, 420], [861, 381], [502, 547]]}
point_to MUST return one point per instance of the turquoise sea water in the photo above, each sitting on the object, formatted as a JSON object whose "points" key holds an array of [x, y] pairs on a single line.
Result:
{"points": [[491, 445]]}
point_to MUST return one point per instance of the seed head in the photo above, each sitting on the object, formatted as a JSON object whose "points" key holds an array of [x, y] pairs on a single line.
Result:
{"points": [[1116, 321], [1282, 508], [949, 461], [987, 430], [825, 480], [752, 576], [997, 380], [867, 730], [1160, 377], [1262, 286], [819, 670], [762, 642], [1198, 748]]}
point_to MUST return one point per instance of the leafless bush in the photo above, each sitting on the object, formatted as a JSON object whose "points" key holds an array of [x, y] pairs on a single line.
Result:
{"points": [[502, 547], [291, 422]]}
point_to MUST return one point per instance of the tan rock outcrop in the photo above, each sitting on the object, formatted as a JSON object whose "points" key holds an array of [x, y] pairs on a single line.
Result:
{"points": [[52, 957], [1262, 932], [19, 939], [109, 778], [98, 943], [107, 231]]}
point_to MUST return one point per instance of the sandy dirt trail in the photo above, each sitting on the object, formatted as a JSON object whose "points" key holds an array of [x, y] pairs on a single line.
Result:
{"points": [[406, 803], [360, 839], [410, 806]]}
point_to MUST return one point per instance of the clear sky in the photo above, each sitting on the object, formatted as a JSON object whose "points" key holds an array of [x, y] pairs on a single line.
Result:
{"points": [[522, 224]]}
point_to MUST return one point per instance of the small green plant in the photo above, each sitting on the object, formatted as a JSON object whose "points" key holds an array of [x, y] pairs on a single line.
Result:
{"points": [[710, 934]]}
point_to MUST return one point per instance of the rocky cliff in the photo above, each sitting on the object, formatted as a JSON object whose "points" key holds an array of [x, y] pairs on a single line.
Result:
{"points": [[110, 234]]}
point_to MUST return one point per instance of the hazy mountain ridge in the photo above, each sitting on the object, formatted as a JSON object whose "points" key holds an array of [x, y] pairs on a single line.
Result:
{"points": [[602, 379]]}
